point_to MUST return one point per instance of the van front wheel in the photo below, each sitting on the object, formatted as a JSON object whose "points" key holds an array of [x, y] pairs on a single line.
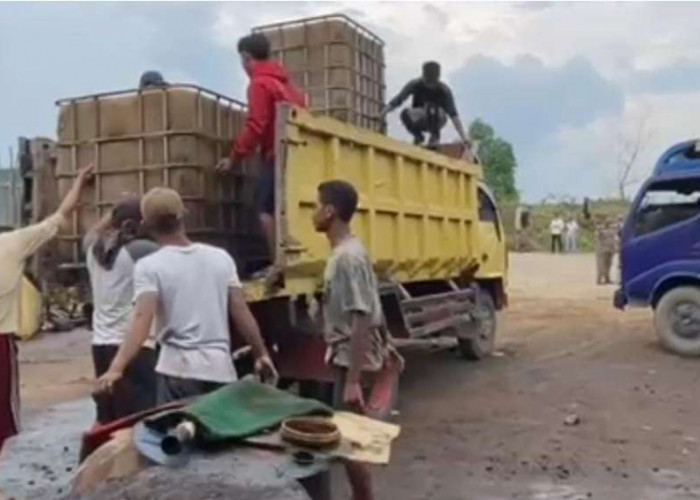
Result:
{"points": [[677, 320]]}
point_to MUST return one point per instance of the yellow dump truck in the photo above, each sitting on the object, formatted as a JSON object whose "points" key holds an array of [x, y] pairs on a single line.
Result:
{"points": [[430, 225]]}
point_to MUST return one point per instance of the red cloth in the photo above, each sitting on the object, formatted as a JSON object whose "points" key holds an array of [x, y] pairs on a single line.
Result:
{"points": [[9, 388], [101, 433], [268, 86]]}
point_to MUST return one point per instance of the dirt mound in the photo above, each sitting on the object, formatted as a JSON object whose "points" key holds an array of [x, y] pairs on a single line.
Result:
{"points": [[219, 476]]}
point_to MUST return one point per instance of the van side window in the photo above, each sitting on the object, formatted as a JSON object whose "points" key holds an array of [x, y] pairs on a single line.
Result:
{"points": [[487, 210], [690, 153], [666, 203]]}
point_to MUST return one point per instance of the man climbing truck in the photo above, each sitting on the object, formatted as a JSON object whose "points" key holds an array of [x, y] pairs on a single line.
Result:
{"points": [[660, 249], [432, 103]]}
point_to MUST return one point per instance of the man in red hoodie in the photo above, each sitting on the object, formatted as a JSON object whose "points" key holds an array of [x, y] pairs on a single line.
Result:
{"points": [[268, 86]]}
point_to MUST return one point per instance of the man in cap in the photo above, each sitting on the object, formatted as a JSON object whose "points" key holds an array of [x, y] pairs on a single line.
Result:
{"points": [[15, 248], [432, 103], [190, 289]]}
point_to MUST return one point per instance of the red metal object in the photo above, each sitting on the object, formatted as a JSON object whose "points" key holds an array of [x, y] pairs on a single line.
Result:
{"points": [[101, 433], [382, 399], [302, 357]]}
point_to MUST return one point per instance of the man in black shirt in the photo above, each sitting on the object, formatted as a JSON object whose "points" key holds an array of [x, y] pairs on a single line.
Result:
{"points": [[432, 104]]}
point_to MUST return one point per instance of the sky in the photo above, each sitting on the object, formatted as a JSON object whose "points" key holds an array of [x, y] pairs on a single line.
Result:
{"points": [[570, 85]]}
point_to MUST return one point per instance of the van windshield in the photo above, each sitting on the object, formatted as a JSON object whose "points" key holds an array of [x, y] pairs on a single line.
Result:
{"points": [[666, 203]]}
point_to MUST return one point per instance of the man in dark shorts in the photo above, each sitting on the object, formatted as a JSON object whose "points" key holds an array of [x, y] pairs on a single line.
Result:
{"points": [[352, 313], [189, 289], [112, 248], [432, 104], [269, 85]]}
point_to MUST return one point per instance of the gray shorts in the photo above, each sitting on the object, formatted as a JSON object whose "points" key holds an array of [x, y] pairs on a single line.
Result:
{"points": [[175, 388]]}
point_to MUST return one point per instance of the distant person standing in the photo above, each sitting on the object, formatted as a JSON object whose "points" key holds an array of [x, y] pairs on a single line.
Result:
{"points": [[571, 236], [556, 229], [606, 243], [432, 103]]}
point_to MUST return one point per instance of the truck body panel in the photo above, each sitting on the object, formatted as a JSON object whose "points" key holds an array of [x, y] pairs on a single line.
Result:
{"points": [[417, 213]]}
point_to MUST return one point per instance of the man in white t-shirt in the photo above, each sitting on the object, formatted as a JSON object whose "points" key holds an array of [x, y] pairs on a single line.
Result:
{"points": [[556, 229], [189, 289]]}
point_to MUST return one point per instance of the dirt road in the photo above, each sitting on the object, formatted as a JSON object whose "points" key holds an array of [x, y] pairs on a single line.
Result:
{"points": [[496, 429]]}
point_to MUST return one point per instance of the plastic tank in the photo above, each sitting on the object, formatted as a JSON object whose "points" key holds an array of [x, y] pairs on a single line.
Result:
{"points": [[171, 136], [337, 62]]}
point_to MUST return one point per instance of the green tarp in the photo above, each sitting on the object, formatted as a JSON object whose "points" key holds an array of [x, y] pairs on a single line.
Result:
{"points": [[242, 409]]}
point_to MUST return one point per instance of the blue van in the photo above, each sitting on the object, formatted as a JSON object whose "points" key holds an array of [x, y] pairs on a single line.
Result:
{"points": [[660, 249]]}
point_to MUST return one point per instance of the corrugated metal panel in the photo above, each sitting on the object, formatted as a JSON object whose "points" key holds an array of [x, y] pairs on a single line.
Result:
{"points": [[10, 198], [417, 213]]}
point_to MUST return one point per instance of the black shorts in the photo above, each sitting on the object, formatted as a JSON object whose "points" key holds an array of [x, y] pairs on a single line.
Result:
{"points": [[175, 388], [265, 189], [134, 393]]}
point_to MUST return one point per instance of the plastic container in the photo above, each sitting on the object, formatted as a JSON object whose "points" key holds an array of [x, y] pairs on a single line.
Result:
{"points": [[337, 62]]}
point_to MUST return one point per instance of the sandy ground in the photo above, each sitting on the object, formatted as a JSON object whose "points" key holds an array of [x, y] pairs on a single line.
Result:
{"points": [[495, 429]]}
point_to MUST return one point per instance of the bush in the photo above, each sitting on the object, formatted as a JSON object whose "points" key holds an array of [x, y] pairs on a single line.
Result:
{"points": [[537, 237]]}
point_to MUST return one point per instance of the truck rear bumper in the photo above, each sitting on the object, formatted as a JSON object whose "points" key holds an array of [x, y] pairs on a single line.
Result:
{"points": [[619, 299]]}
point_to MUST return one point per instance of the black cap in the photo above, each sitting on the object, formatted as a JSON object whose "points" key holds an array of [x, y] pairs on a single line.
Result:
{"points": [[152, 79]]}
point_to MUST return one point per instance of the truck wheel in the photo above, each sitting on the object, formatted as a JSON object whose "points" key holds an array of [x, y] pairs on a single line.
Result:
{"points": [[476, 339], [677, 320]]}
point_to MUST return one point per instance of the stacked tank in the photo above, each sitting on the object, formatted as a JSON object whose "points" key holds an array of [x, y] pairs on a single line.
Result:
{"points": [[171, 136], [338, 64]]}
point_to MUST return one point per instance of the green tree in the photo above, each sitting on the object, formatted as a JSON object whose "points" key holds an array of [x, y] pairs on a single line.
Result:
{"points": [[498, 160]]}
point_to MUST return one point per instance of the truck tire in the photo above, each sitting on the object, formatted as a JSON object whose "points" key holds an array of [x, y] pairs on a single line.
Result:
{"points": [[476, 339], [677, 320]]}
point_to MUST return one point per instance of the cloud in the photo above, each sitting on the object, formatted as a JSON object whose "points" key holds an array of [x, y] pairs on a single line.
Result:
{"points": [[527, 100], [530, 103], [77, 49], [584, 161], [557, 79], [682, 76]]}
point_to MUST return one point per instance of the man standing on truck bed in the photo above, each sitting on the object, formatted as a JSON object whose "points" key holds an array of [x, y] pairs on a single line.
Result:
{"points": [[432, 104], [15, 248], [352, 313], [190, 289], [269, 85]]}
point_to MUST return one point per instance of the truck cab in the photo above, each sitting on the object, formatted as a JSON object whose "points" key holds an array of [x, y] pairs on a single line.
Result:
{"points": [[660, 249]]}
